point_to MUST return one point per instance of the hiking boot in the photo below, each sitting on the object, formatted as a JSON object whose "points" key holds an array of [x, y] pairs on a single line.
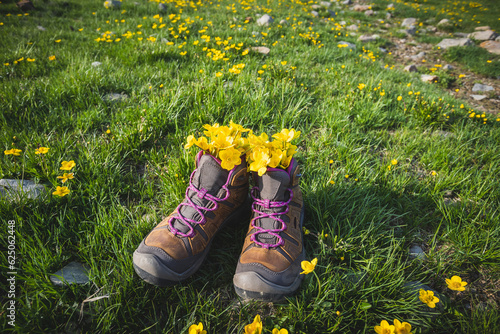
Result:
{"points": [[176, 247], [269, 265]]}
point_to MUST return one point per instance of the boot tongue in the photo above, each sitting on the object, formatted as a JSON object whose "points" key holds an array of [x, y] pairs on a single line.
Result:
{"points": [[210, 176], [273, 185]]}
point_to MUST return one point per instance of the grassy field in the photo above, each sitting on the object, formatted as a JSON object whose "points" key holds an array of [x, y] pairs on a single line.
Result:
{"points": [[388, 162]]}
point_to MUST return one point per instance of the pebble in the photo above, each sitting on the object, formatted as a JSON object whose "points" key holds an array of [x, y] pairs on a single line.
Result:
{"points": [[14, 189], [482, 88], [416, 252], [316, 7], [41, 28], [73, 273], [410, 31], [443, 22], [283, 22], [352, 27], [162, 7], [115, 97], [360, 8], [429, 78], [325, 4], [368, 38], [409, 22], [448, 67], [369, 12], [478, 97], [347, 2], [431, 29], [265, 20], [482, 28], [449, 42], [261, 49], [418, 56], [388, 16], [411, 68], [492, 46], [96, 64], [314, 13]]}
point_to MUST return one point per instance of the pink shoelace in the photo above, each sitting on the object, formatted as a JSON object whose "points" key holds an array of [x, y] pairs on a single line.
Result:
{"points": [[203, 194], [267, 204]]}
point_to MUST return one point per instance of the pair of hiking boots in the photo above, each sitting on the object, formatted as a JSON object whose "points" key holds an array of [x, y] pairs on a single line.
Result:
{"points": [[270, 262]]}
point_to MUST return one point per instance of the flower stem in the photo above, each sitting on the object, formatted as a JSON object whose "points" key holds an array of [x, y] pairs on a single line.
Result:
{"points": [[319, 286]]}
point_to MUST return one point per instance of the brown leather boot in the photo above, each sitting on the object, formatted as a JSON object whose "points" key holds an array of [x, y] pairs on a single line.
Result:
{"points": [[176, 247], [269, 265]]}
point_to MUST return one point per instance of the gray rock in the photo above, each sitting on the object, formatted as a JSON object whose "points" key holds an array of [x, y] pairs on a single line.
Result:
{"points": [[382, 49], [352, 27], [115, 97], [431, 29], [482, 88], [461, 34], [261, 49], [265, 20], [349, 45], [429, 78], [478, 97], [369, 12], [325, 4], [497, 39], [342, 23], [418, 56], [448, 67], [482, 28], [390, 6], [314, 13], [443, 22], [14, 190], [368, 38], [73, 273], [96, 64], [360, 8], [315, 7], [332, 13], [483, 35], [450, 42], [416, 252], [491, 46], [410, 31], [411, 68], [347, 2], [41, 28], [388, 16], [409, 22], [283, 22], [113, 4], [162, 7]]}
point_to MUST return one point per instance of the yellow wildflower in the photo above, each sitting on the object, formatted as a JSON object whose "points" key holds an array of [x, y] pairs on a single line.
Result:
{"points": [[401, 328], [67, 165], [61, 191], [197, 329], [361, 86], [428, 298], [42, 150], [255, 327], [66, 177], [14, 151], [308, 267], [279, 331], [394, 162], [229, 158], [52, 58], [384, 328], [455, 283]]}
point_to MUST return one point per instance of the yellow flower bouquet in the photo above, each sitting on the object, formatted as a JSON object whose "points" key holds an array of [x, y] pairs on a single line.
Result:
{"points": [[228, 144]]}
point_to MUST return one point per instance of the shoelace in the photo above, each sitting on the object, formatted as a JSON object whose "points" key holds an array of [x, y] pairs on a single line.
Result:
{"points": [[267, 204], [203, 194]]}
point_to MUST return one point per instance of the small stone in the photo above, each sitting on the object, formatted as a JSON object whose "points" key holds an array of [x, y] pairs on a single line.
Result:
{"points": [[13, 189], [325, 4], [448, 67], [347, 2], [482, 88], [449, 42], [25, 5], [369, 12], [115, 97], [73, 273], [113, 4], [497, 39], [409, 22], [483, 28], [443, 22], [265, 20], [388, 16], [162, 7], [96, 64], [491, 46], [431, 29], [411, 68], [418, 56], [360, 8], [382, 49], [410, 31], [315, 7], [349, 45], [478, 97], [332, 13], [429, 78], [41, 28], [352, 27], [228, 84], [461, 34], [261, 49], [342, 23], [416, 252], [283, 22], [368, 38], [314, 13], [483, 35]]}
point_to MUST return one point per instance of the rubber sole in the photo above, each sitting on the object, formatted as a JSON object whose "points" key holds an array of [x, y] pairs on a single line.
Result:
{"points": [[152, 270]]}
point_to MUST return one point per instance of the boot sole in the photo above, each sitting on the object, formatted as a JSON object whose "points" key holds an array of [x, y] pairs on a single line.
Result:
{"points": [[152, 270], [251, 285]]}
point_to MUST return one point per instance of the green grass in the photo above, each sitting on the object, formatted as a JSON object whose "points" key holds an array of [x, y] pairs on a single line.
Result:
{"points": [[442, 194], [475, 59]]}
